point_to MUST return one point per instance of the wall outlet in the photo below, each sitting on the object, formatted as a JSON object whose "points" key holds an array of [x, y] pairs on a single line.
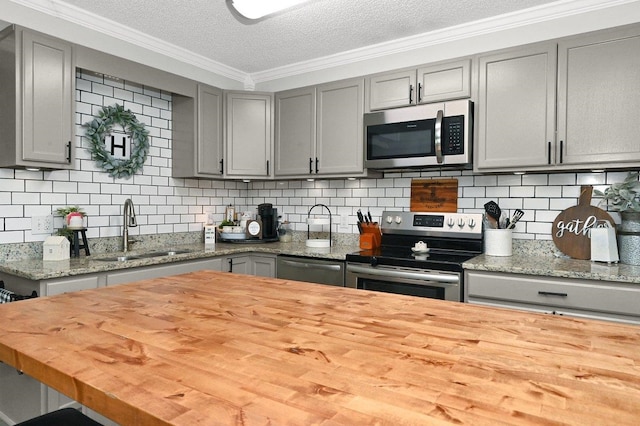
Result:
{"points": [[42, 224]]}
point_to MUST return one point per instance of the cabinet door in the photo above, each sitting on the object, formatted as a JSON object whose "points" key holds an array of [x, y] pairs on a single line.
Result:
{"points": [[263, 266], [340, 140], [516, 109], [239, 264], [441, 82], [392, 90], [209, 152], [249, 125], [598, 102], [67, 285], [48, 91], [295, 132]]}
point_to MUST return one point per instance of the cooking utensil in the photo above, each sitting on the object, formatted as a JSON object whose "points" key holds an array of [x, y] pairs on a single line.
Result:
{"points": [[360, 217], [517, 215], [369, 215], [493, 213]]}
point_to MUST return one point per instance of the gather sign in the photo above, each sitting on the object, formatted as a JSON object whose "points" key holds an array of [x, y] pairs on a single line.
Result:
{"points": [[571, 230]]}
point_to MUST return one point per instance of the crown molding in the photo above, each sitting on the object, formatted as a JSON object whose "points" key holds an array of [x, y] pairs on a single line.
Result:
{"points": [[496, 24], [547, 12], [116, 30]]}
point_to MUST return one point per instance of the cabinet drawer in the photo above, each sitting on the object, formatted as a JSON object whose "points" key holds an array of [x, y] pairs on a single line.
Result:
{"points": [[600, 296]]}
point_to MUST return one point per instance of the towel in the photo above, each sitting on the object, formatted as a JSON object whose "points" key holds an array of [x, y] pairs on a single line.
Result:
{"points": [[6, 296]]}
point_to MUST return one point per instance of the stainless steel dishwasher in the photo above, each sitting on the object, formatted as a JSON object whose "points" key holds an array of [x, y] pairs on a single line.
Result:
{"points": [[330, 272]]}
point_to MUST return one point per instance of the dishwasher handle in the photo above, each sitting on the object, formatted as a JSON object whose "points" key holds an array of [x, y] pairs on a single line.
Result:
{"points": [[422, 276], [306, 265]]}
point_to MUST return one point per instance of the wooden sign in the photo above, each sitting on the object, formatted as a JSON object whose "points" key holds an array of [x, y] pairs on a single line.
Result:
{"points": [[570, 230], [434, 195]]}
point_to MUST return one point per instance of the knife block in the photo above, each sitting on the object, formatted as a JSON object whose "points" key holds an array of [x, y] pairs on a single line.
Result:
{"points": [[370, 238]]}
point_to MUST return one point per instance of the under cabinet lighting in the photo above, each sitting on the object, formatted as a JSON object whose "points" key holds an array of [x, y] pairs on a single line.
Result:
{"points": [[256, 9]]}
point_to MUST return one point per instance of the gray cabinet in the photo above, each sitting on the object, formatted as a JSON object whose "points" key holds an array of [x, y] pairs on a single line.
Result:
{"points": [[432, 83], [295, 134], [516, 109], [248, 135], [37, 86], [261, 265], [319, 131], [523, 125], [197, 134], [598, 102], [605, 300]]}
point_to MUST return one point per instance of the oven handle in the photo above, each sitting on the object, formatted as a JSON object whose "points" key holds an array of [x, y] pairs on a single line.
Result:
{"points": [[447, 279], [294, 264]]}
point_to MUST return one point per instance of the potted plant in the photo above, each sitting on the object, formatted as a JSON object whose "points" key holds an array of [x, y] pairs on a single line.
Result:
{"points": [[624, 197], [73, 216]]}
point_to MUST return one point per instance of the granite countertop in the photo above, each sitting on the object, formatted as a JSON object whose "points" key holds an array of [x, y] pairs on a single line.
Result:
{"points": [[555, 266], [37, 269]]}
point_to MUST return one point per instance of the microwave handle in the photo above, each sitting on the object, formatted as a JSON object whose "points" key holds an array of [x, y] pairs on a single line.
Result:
{"points": [[438, 136]]}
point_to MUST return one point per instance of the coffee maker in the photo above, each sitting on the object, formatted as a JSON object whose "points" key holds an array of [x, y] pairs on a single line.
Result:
{"points": [[269, 218]]}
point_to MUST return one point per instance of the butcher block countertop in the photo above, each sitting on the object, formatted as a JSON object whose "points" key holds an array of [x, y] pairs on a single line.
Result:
{"points": [[210, 348]]}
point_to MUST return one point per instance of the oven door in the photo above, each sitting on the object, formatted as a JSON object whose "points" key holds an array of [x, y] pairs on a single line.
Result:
{"points": [[408, 281]]}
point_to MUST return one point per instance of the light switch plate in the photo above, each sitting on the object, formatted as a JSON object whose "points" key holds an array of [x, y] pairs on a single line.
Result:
{"points": [[343, 223], [42, 225]]}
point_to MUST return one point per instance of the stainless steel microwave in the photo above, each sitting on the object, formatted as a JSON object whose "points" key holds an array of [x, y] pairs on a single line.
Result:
{"points": [[439, 134]]}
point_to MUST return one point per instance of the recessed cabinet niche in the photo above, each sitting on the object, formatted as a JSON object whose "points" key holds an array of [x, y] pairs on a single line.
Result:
{"points": [[523, 125], [431, 83], [37, 83]]}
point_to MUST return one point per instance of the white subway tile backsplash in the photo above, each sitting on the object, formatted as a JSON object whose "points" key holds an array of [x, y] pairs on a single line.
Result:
{"points": [[165, 204]]}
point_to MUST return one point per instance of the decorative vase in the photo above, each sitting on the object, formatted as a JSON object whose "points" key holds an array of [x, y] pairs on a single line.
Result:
{"points": [[629, 238]]}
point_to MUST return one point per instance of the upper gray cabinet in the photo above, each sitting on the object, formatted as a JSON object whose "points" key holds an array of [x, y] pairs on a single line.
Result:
{"points": [[432, 83], [319, 131], [197, 144], [598, 98], [516, 108], [37, 76], [523, 125], [248, 129]]}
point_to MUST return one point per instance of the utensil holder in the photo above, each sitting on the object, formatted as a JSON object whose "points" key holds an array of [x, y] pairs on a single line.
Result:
{"points": [[370, 238], [498, 242]]}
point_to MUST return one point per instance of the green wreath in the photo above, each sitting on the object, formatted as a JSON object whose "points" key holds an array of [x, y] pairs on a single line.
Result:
{"points": [[101, 126]]}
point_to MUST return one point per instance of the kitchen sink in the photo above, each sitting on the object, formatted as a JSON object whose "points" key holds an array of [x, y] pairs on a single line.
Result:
{"points": [[124, 258], [117, 258]]}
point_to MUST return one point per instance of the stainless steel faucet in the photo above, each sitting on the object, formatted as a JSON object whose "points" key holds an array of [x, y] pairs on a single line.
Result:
{"points": [[128, 221]]}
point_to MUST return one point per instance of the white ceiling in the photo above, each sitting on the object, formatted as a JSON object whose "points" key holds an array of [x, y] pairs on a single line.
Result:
{"points": [[318, 29]]}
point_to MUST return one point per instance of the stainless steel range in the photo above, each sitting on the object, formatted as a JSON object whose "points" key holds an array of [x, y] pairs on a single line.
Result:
{"points": [[398, 266]]}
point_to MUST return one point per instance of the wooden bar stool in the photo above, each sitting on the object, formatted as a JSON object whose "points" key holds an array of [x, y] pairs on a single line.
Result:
{"points": [[63, 417], [76, 246]]}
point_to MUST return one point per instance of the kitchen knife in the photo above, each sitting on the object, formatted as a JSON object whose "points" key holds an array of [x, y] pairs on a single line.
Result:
{"points": [[360, 218], [369, 214]]}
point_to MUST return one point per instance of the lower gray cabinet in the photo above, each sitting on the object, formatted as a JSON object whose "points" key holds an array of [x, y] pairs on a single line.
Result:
{"points": [[605, 300]]}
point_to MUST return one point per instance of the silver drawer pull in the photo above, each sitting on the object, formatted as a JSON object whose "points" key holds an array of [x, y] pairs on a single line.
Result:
{"points": [[551, 293]]}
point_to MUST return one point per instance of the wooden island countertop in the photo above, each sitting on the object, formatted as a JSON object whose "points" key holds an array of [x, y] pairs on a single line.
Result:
{"points": [[211, 348]]}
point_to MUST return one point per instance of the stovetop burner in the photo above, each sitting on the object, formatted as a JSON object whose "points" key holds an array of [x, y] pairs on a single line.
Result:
{"points": [[452, 238]]}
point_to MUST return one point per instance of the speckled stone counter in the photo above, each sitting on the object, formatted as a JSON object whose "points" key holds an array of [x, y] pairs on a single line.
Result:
{"points": [[555, 266], [36, 269]]}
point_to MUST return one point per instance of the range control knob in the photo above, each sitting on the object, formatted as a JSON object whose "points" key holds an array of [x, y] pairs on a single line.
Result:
{"points": [[451, 222], [398, 220], [389, 219], [472, 223], [461, 223]]}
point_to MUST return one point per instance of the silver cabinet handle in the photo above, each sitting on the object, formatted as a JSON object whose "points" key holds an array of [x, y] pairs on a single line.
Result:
{"points": [[447, 279], [438, 137], [305, 265]]}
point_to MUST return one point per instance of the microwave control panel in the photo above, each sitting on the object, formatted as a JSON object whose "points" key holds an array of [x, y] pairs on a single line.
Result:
{"points": [[453, 135]]}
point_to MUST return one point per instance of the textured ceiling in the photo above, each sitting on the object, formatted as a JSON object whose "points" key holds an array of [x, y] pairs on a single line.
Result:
{"points": [[318, 29]]}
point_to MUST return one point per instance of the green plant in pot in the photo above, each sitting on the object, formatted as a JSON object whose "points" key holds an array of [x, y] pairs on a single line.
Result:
{"points": [[624, 197], [69, 213]]}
